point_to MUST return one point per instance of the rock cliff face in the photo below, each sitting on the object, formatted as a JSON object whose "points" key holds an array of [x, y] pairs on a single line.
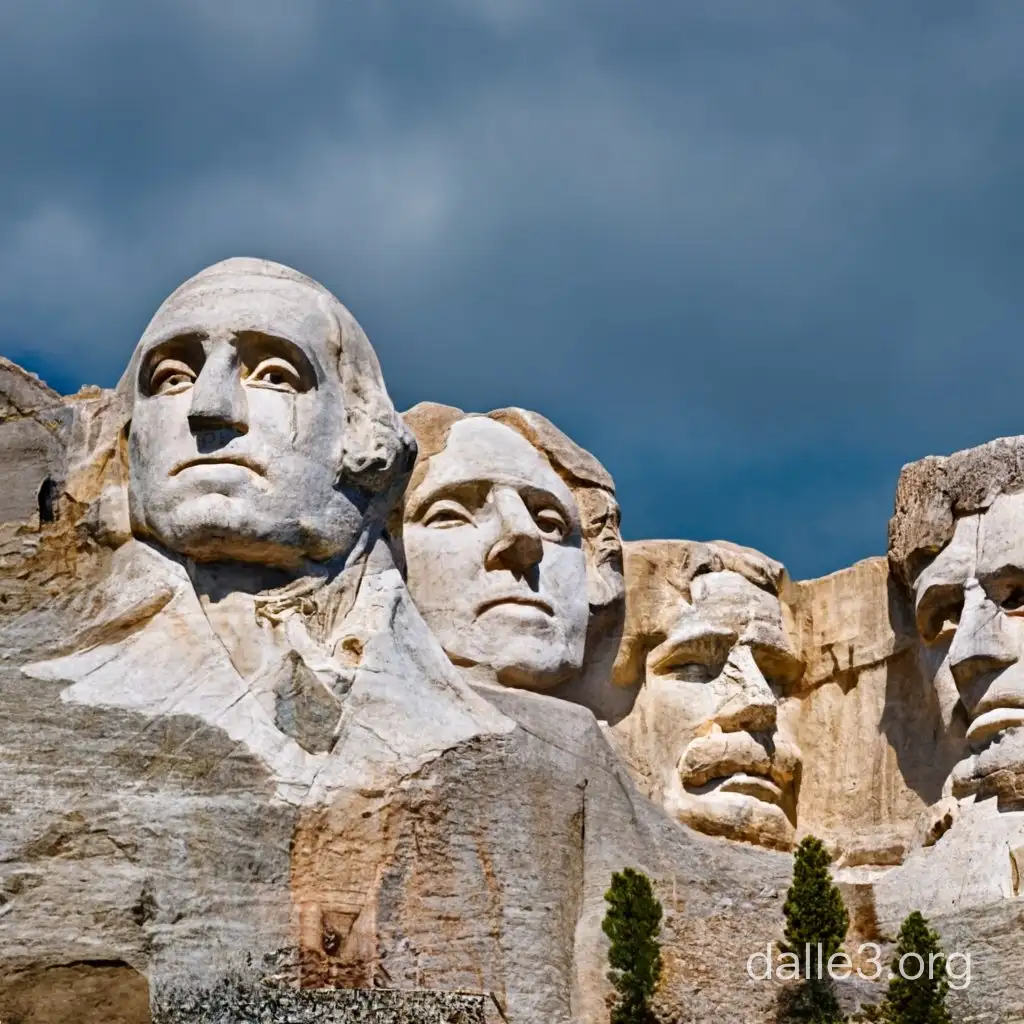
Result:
{"points": [[206, 781], [231, 787], [158, 849], [864, 709]]}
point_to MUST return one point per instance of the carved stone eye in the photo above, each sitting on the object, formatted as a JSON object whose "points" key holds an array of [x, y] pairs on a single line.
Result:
{"points": [[551, 524], [445, 514], [690, 666], [171, 376], [939, 613], [277, 374], [690, 672]]}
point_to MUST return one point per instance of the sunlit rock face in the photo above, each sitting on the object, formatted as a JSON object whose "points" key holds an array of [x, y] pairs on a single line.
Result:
{"points": [[238, 420], [263, 455], [237, 762], [246, 647], [867, 721], [707, 637], [231, 751], [957, 544], [509, 533]]}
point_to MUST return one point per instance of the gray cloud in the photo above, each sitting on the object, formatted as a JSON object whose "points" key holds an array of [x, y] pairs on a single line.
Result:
{"points": [[754, 255]]}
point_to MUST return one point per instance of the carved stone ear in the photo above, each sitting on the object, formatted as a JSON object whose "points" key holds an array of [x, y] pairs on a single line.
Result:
{"points": [[379, 449]]}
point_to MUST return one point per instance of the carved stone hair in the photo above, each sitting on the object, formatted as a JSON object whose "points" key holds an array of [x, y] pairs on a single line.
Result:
{"points": [[934, 492], [379, 450]]}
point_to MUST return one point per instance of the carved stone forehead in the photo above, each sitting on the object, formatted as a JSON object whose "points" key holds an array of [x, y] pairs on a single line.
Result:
{"points": [[252, 295], [660, 575], [1001, 535], [982, 545], [935, 494], [730, 601], [730, 598], [479, 448]]}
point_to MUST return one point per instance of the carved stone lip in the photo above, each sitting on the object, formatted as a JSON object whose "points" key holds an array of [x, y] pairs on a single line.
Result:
{"points": [[220, 460], [528, 601], [739, 762], [761, 787]]}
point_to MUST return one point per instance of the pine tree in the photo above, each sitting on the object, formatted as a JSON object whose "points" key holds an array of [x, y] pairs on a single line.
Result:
{"points": [[814, 909], [632, 923], [815, 917], [921, 1000]]}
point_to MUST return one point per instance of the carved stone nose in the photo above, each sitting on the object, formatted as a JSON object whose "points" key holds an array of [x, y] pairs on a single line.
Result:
{"points": [[519, 546], [750, 704], [981, 644], [518, 552], [218, 398]]}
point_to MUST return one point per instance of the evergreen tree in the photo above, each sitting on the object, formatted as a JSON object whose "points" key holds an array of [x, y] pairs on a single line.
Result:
{"points": [[921, 1000], [814, 908], [815, 917], [632, 922]]}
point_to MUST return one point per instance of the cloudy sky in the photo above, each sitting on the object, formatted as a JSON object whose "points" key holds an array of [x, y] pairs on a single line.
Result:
{"points": [[754, 254]]}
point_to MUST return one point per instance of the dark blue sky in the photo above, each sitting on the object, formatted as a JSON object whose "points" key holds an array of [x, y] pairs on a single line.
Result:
{"points": [[755, 255]]}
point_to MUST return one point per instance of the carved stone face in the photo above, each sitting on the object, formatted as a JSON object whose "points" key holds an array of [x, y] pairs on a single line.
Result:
{"points": [[601, 517], [237, 426], [969, 605], [710, 698], [494, 557]]}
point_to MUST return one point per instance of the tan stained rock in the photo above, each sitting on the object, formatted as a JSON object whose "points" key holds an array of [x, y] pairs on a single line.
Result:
{"points": [[710, 645], [866, 711], [234, 753]]}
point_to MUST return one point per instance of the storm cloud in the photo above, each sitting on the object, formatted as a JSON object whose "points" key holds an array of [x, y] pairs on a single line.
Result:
{"points": [[753, 255]]}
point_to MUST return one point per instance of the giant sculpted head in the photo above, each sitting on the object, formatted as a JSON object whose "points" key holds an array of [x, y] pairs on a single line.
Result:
{"points": [[956, 541], [262, 457], [708, 641], [509, 534], [260, 430]]}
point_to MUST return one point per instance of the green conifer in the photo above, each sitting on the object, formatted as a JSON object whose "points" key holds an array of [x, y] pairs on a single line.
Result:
{"points": [[632, 922], [816, 924], [920, 1000], [814, 909]]}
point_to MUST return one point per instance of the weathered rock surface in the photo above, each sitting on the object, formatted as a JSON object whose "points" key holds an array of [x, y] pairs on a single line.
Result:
{"points": [[709, 644], [33, 426], [176, 809], [866, 710], [160, 844], [240, 777]]}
